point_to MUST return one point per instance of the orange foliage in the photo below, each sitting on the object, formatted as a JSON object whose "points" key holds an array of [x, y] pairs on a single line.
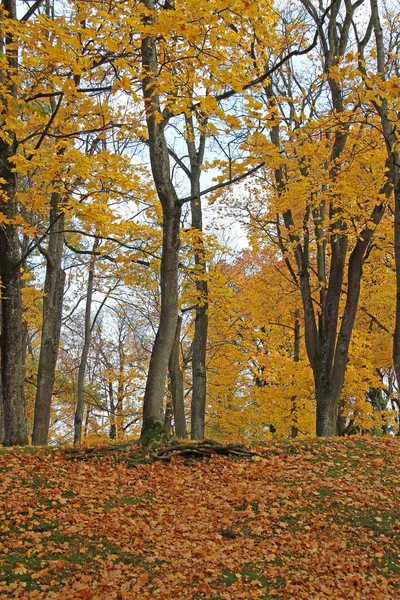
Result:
{"points": [[303, 520]]}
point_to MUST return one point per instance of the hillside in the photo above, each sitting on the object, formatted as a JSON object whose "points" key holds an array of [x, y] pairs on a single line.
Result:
{"points": [[306, 519]]}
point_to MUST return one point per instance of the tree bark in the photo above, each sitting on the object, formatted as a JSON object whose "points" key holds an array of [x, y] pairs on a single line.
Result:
{"points": [[176, 378], [12, 362], [51, 326], [199, 371], [12, 371], [169, 413], [153, 413], [121, 387], [85, 349], [1, 418], [296, 358], [113, 419], [396, 337]]}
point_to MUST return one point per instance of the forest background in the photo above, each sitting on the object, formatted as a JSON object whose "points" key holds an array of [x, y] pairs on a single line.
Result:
{"points": [[121, 124]]}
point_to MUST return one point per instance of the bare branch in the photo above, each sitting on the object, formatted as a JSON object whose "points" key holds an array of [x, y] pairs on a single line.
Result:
{"points": [[375, 320], [31, 11], [269, 71], [223, 184]]}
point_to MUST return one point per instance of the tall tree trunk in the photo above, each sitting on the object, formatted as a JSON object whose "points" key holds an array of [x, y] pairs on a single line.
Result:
{"points": [[330, 377], [1, 418], [12, 370], [341, 425], [113, 423], [85, 431], [51, 326], [393, 165], [121, 389], [12, 362], [1, 402], [169, 413], [396, 337], [176, 378], [327, 405], [296, 358], [153, 403], [153, 410], [85, 348], [199, 373]]}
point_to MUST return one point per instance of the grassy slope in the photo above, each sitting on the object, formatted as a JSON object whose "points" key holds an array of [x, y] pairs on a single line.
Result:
{"points": [[315, 519]]}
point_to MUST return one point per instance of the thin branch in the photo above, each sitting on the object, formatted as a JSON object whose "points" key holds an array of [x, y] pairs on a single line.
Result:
{"points": [[268, 72], [281, 325], [94, 90], [105, 256], [375, 320], [38, 242], [102, 303], [223, 184], [111, 239], [32, 9], [179, 162], [49, 124]]}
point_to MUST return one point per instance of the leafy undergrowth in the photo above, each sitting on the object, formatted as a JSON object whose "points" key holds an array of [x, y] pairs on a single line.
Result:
{"points": [[307, 519]]}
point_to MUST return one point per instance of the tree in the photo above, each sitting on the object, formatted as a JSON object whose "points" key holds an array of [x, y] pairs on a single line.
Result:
{"points": [[176, 385], [12, 351], [86, 344], [169, 92], [199, 374], [383, 95], [51, 325], [328, 242], [158, 149]]}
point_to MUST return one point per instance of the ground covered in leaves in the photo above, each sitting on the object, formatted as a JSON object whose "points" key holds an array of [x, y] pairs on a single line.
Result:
{"points": [[303, 519]]}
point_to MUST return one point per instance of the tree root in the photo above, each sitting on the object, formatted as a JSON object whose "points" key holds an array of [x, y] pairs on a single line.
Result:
{"points": [[200, 449]]}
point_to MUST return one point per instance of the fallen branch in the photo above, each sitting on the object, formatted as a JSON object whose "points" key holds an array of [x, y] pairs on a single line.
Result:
{"points": [[164, 451]]}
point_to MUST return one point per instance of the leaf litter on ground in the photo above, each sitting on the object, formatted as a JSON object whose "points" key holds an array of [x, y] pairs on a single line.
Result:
{"points": [[308, 519]]}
